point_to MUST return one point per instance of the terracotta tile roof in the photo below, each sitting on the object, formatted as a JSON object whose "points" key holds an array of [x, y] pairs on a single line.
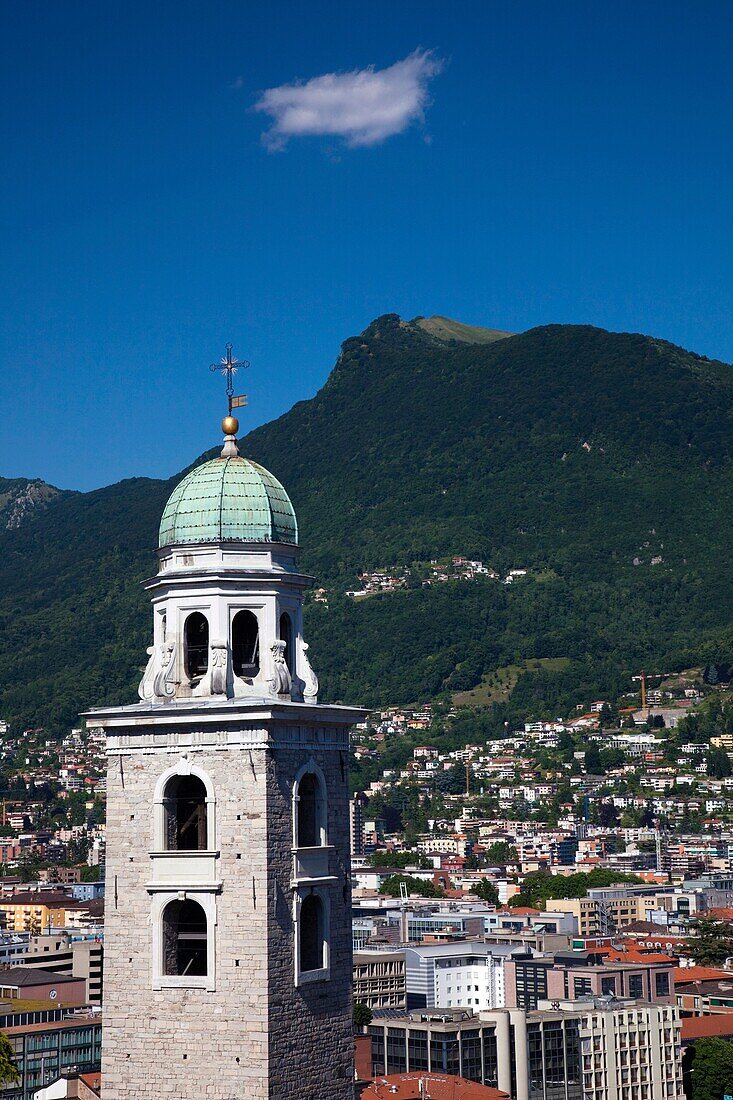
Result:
{"points": [[518, 910], [406, 1086], [634, 955], [699, 1027], [684, 975], [93, 1081]]}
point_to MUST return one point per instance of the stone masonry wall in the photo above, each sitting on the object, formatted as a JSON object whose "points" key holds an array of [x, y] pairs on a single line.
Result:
{"points": [[180, 1043], [257, 1036], [311, 1032]]}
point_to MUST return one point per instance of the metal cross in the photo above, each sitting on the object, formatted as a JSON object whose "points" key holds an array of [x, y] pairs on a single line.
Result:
{"points": [[229, 366]]}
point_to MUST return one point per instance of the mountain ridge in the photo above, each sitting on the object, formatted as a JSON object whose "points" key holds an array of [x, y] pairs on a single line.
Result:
{"points": [[581, 454]]}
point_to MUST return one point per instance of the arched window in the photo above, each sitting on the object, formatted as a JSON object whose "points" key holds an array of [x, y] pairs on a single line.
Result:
{"points": [[184, 939], [245, 645], [196, 646], [184, 806], [309, 814], [312, 934], [286, 635]]}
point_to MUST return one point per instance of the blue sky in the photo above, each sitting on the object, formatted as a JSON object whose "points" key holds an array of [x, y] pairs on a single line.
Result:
{"points": [[570, 162]]}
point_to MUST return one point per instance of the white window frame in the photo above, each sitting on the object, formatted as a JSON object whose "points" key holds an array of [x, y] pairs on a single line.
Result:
{"points": [[321, 803], [323, 974], [182, 767], [207, 900]]}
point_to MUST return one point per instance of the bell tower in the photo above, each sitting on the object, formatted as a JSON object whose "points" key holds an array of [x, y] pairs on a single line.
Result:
{"points": [[228, 930]]}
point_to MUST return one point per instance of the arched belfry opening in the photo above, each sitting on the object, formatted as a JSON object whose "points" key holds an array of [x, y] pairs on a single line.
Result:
{"points": [[312, 933], [245, 645], [309, 815], [185, 937], [184, 806], [196, 646], [286, 635]]}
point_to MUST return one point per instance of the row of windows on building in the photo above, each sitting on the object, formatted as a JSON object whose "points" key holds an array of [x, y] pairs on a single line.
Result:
{"points": [[245, 645], [552, 1055], [41, 1056]]}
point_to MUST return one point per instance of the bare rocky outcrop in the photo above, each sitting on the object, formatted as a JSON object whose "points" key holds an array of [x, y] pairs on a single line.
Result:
{"points": [[20, 499]]}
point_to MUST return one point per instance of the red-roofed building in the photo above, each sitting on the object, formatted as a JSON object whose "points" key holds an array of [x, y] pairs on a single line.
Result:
{"points": [[703, 990], [436, 1086], [685, 974], [706, 1027]]}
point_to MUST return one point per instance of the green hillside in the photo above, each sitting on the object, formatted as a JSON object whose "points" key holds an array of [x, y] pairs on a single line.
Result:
{"points": [[568, 450], [442, 328]]}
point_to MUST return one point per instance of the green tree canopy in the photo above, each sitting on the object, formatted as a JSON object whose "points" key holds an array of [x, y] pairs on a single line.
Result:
{"points": [[709, 1069], [501, 853], [712, 941], [363, 1015], [487, 891], [414, 886], [8, 1070]]}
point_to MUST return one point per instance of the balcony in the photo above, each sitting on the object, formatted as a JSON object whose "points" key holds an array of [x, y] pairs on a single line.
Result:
{"points": [[311, 865]]}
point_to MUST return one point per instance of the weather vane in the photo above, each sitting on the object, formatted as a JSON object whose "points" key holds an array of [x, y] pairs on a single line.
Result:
{"points": [[229, 366]]}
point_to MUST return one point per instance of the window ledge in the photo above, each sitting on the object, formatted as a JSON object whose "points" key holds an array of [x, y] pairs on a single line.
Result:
{"points": [[315, 880], [175, 981], [311, 865], [186, 853], [308, 976], [180, 886]]}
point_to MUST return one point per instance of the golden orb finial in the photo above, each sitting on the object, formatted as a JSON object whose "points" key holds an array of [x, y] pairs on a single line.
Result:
{"points": [[230, 425]]}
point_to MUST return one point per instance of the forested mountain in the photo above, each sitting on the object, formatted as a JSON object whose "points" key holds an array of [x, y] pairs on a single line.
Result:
{"points": [[600, 462]]}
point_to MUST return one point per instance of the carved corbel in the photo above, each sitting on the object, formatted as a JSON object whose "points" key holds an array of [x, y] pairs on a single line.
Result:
{"points": [[310, 690], [279, 681], [219, 668], [164, 685], [145, 688]]}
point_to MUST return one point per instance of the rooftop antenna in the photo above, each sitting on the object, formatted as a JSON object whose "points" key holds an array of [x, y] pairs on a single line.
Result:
{"points": [[403, 911], [228, 366]]}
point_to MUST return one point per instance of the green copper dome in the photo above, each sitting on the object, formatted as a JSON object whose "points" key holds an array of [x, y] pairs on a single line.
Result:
{"points": [[228, 500]]}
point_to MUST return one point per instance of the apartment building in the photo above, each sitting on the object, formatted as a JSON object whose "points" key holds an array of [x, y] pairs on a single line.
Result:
{"points": [[597, 1049], [42, 1051], [380, 979], [493, 1048], [574, 975], [458, 974], [67, 953], [610, 909], [630, 1052]]}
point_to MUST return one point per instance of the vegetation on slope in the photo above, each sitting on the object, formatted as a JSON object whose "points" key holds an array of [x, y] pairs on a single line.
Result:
{"points": [[569, 450]]}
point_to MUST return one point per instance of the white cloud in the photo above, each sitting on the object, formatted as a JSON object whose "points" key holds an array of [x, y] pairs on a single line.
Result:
{"points": [[363, 107]]}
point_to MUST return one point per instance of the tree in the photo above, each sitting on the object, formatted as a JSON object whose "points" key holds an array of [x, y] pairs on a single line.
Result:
{"points": [[710, 1069], [712, 942], [414, 886], [452, 781], [487, 891], [718, 764], [399, 860], [362, 1015], [501, 853], [8, 1070], [593, 763]]}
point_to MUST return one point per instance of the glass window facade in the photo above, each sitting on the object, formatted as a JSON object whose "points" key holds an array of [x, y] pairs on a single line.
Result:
{"points": [[40, 1056]]}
